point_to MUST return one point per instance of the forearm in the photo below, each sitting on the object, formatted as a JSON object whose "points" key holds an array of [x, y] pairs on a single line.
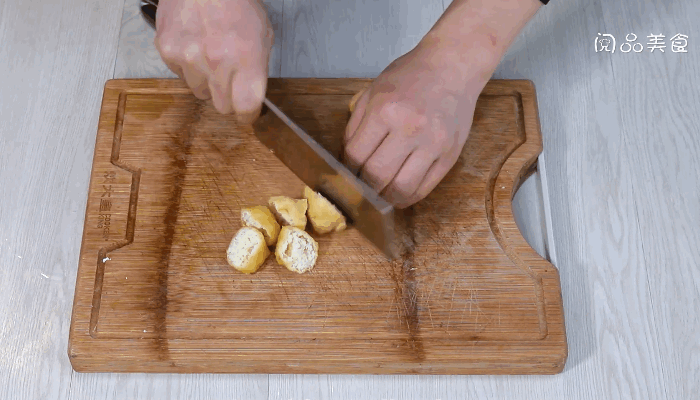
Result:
{"points": [[476, 34]]}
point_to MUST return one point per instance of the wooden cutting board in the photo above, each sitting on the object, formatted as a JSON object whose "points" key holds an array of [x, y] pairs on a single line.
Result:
{"points": [[170, 175]]}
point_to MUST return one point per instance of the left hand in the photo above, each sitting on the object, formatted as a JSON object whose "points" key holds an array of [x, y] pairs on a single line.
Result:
{"points": [[409, 126]]}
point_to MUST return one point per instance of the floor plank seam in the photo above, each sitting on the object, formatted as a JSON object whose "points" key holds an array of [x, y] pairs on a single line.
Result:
{"points": [[119, 35]]}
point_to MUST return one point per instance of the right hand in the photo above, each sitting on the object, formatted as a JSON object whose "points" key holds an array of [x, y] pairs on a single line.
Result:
{"points": [[221, 48]]}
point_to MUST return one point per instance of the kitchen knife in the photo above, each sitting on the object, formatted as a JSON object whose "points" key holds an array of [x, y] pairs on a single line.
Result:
{"points": [[371, 215]]}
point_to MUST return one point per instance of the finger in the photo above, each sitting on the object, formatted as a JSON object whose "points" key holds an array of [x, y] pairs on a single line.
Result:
{"points": [[358, 104], [195, 71], [438, 171], [251, 64], [169, 54], [248, 91], [381, 167], [435, 174], [220, 87], [220, 59], [432, 178], [177, 70], [368, 138], [408, 180], [197, 81]]}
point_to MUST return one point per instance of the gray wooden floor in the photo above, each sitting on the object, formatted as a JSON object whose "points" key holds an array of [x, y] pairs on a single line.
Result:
{"points": [[622, 144]]}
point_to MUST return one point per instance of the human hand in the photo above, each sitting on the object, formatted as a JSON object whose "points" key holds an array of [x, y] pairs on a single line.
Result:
{"points": [[409, 126], [221, 48]]}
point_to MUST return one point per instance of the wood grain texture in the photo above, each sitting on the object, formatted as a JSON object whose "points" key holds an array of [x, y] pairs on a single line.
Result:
{"points": [[661, 142], [154, 292], [137, 55], [54, 59]]}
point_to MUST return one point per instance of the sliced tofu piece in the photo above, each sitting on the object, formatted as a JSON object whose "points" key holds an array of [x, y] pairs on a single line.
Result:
{"points": [[324, 216], [261, 218], [289, 211], [296, 250], [248, 250]]}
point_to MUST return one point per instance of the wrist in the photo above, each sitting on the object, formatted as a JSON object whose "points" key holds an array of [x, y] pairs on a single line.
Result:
{"points": [[473, 35], [471, 58]]}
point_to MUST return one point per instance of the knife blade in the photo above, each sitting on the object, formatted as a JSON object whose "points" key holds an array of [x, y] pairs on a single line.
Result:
{"points": [[371, 215]]}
